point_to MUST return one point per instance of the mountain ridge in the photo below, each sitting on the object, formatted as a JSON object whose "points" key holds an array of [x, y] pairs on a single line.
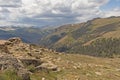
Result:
{"points": [[82, 34], [28, 34]]}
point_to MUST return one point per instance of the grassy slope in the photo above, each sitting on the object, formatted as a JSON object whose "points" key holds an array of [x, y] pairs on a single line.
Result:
{"points": [[84, 33], [79, 67], [59, 34], [70, 66]]}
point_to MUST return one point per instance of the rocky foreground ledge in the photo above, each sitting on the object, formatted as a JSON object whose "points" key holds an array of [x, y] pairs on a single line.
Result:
{"points": [[31, 62], [14, 54]]}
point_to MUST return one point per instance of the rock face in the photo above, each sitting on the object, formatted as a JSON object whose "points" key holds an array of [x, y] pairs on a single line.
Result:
{"points": [[3, 47], [28, 62], [14, 54], [15, 40], [4, 44], [9, 62]]}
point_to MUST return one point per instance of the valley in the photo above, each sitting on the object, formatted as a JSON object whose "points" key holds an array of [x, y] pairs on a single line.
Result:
{"points": [[28, 34]]}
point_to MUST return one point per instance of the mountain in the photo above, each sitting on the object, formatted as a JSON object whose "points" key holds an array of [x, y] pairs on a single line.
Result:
{"points": [[22, 61], [28, 34], [97, 37]]}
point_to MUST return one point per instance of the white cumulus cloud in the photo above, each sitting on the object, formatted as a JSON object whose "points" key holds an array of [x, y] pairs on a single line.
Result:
{"points": [[50, 12]]}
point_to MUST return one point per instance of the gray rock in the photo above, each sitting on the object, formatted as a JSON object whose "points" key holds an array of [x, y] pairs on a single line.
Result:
{"points": [[47, 66]]}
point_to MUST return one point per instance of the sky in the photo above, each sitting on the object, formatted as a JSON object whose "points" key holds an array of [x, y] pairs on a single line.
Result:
{"points": [[55, 12]]}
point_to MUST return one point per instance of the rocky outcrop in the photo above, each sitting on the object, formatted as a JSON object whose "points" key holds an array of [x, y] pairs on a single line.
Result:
{"points": [[4, 44], [3, 47], [10, 62], [28, 62], [15, 40], [14, 54]]}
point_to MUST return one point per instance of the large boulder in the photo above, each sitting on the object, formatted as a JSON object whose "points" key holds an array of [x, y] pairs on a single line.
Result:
{"points": [[47, 66], [15, 40], [8, 61], [28, 62]]}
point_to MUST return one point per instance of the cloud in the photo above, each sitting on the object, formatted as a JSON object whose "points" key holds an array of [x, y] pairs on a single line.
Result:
{"points": [[49, 12], [61, 11], [113, 12], [10, 3]]}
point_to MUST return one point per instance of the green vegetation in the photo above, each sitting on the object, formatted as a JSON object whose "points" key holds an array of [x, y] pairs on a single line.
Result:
{"points": [[80, 67], [97, 37], [9, 75], [48, 75], [31, 68], [103, 47]]}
